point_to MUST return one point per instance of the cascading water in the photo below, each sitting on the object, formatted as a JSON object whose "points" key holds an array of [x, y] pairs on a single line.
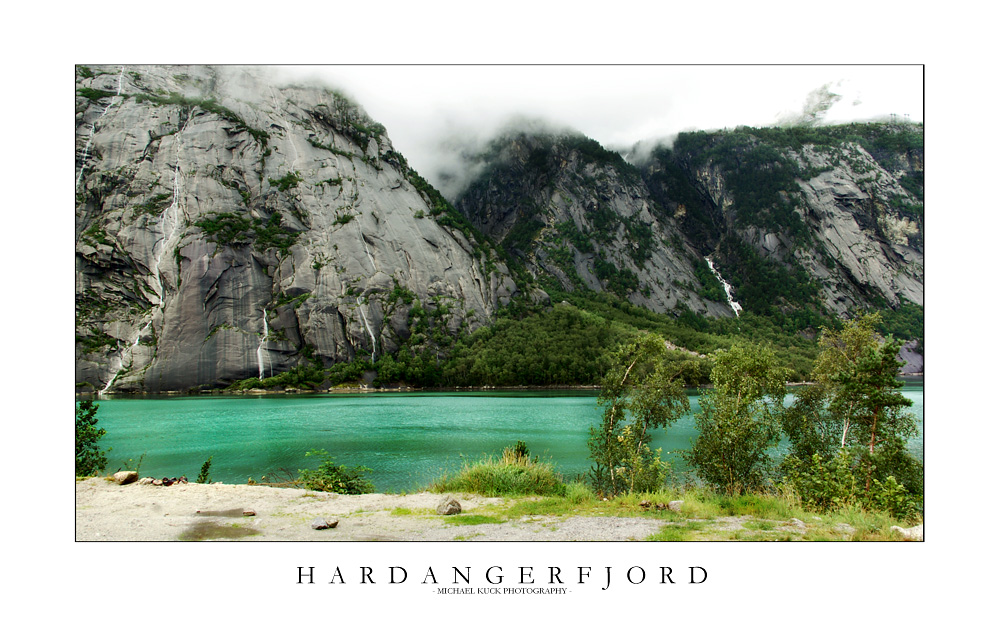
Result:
{"points": [[168, 230], [168, 224], [121, 360], [726, 286], [367, 251], [364, 318], [261, 351], [93, 128]]}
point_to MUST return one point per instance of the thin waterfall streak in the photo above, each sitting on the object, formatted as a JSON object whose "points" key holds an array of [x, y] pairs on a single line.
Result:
{"points": [[364, 319], [727, 287], [121, 360], [170, 215], [365, 244], [261, 351], [93, 128]]}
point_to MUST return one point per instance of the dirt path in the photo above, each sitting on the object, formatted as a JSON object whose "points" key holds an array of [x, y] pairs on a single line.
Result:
{"points": [[109, 512]]}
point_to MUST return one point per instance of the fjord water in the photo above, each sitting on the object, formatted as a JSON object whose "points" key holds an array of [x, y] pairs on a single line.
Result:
{"points": [[407, 439]]}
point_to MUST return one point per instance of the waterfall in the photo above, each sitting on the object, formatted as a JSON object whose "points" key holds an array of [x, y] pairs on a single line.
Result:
{"points": [[121, 360], [367, 251], [167, 233], [170, 215], [367, 326], [726, 286], [364, 318], [260, 351], [93, 128]]}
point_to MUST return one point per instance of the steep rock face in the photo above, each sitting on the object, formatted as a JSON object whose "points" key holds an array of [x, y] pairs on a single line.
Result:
{"points": [[230, 228], [576, 214], [839, 214]]}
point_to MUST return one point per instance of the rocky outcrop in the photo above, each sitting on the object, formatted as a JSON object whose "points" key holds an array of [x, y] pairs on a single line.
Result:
{"points": [[847, 220], [580, 216], [786, 224], [912, 356], [229, 228]]}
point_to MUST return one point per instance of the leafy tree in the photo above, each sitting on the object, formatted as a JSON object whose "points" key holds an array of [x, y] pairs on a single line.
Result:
{"points": [[840, 351], [90, 458], [856, 381], [739, 419], [641, 391], [854, 420]]}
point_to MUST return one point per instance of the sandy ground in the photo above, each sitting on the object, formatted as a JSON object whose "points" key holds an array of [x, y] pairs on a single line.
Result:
{"points": [[107, 511]]}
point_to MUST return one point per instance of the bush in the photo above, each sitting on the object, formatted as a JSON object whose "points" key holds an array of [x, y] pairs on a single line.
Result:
{"points": [[90, 458], [331, 477], [203, 476], [512, 474], [831, 485], [820, 484]]}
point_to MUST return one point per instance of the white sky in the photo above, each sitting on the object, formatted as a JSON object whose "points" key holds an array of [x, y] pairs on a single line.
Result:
{"points": [[616, 105]]}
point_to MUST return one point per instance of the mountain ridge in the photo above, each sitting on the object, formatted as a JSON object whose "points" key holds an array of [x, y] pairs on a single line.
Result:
{"points": [[231, 231]]}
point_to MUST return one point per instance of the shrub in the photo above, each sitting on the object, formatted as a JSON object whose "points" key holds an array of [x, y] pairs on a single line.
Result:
{"points": [[512, 474], [90, 458], [331, 477], [203, 476], [821, 484]]}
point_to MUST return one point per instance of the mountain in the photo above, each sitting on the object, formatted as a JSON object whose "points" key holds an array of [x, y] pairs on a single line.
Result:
{"points": [[799, 223], [578, 216], [229, 228], [232, 230]]}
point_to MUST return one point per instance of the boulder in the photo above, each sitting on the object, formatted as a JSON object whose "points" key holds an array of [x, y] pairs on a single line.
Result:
{"points": [[325, 523], [146, 481], [449, 506], [675, 506], [125, 477]]}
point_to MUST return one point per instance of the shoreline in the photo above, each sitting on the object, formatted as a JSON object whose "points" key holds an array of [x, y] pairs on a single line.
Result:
{"points": [[366, 390], [109, 512]]}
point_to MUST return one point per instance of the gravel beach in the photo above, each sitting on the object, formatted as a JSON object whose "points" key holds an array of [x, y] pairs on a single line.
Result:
{"points": [[106, 511]]}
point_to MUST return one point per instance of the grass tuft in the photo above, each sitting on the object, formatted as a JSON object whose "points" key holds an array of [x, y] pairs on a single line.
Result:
{"points": [[512, 474]]}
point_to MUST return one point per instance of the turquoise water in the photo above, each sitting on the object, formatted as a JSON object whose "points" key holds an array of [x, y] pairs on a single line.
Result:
{"points": [[408, 439]]}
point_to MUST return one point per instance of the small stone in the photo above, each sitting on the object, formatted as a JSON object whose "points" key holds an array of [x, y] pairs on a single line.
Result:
{"points": [[125, 477], [325, 523], [675, 506], [645, 503], [449, 506], [157, 482], [797, 523], [661, 506], [249, 513], [146, 481]]}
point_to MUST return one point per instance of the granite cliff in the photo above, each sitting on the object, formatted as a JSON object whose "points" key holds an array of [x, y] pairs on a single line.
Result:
{"points": [[796, 222], [230, 228]]}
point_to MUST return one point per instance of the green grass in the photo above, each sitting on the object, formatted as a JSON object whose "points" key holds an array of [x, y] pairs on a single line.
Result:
{"points": [[508, 476], [677, 532], [472, 519], [709, 516]]}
